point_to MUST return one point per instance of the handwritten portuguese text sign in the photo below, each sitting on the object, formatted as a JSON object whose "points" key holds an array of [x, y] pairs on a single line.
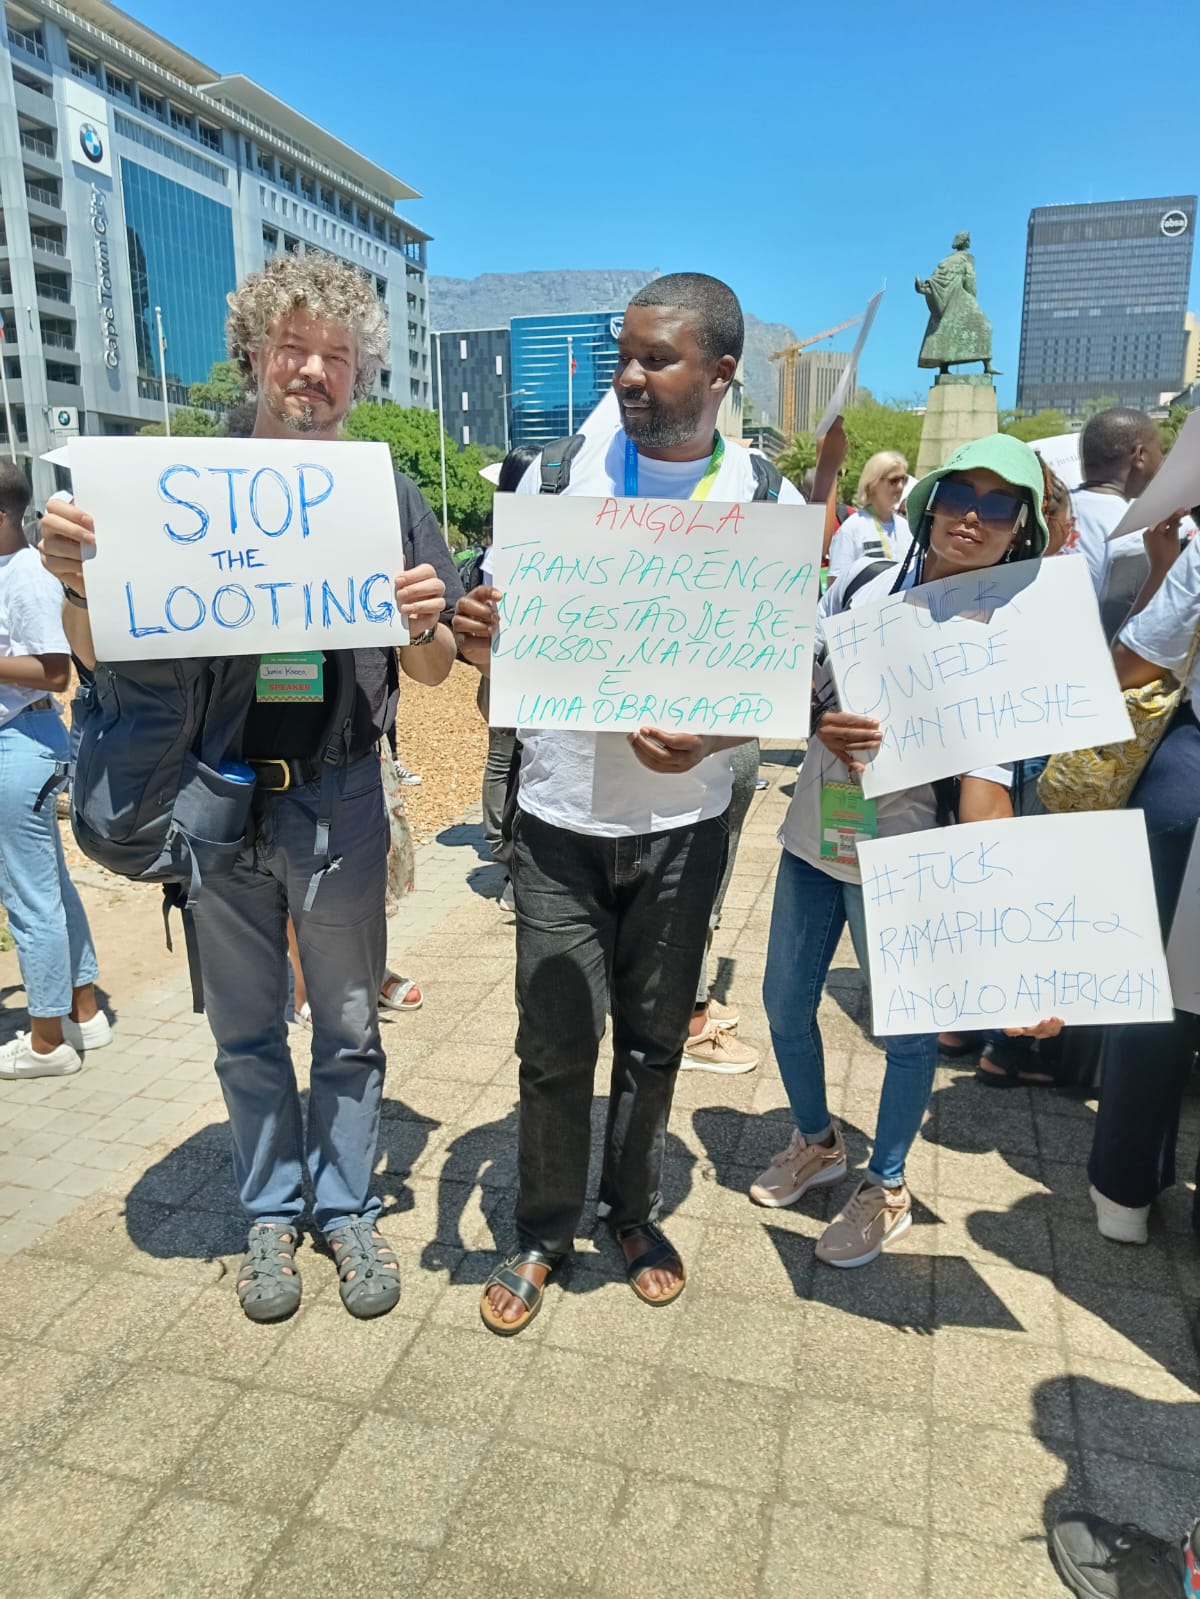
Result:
{"points": [[238, 546], [1004, 924], [686, 615], [999, 665]]}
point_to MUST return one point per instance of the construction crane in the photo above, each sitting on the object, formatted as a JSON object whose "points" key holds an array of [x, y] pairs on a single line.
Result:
{"points": [[790, 422]]}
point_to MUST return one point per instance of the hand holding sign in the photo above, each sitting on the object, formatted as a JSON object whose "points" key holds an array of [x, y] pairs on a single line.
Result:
{"points": [[240, 546]]}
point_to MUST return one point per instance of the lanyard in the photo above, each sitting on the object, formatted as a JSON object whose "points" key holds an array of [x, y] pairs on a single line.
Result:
{"points": [[883, 538], [702, 490]]}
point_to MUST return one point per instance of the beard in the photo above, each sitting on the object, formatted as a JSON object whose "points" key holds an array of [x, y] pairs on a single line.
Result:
{"points": [[663, 428], [304, 418]]}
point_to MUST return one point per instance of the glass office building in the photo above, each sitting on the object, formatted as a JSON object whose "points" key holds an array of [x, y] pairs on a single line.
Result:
{"points": [[1106, 292], [549, 400], [132, 175], [181, 257]]}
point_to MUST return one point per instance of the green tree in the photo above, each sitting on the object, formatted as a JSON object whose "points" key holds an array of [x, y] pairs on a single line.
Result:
{"points": [[222, 387], [1169, 426], [1104, 403], [869, 428], [1041, 425], [185, 424], [411, 434]]}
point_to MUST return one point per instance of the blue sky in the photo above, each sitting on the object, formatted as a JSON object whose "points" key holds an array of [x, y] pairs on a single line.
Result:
{"points": [[802, 153]]}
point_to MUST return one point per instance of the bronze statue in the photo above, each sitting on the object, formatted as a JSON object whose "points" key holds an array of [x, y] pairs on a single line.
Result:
{"points": [[957, 330]]}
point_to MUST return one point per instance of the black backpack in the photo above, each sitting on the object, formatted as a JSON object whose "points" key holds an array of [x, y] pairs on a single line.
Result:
{"points": [[558, 455]]}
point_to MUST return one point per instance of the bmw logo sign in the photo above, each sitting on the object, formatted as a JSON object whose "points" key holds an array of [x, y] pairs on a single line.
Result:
{"points": [[91, 143], [1173, 224], [63, 418]]}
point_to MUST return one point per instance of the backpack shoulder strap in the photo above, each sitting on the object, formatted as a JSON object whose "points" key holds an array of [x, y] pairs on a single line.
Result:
{"points": [[556, 463], [861, 579], [768, 479]]}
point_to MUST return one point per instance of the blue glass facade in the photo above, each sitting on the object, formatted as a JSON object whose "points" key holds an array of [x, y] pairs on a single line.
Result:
{"points": [[540, 366], [1106, 290], [180, 258]]}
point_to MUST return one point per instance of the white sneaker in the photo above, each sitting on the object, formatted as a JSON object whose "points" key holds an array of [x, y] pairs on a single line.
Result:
{"points": [[17, 1059], [1125, 1224], [93, 1034], [407, 779]]}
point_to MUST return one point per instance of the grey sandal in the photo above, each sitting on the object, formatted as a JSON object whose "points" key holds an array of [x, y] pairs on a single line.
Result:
{"points": [[268, 1285], [366, 1282]]}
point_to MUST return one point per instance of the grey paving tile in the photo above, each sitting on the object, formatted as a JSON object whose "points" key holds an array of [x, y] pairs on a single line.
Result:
{"points": [[190, 1549], [1007, 1481], [456, 1376], [571, 1402], [680, 1539], [849, 1359], [124, 1315], [1111, 1322], [752, 1339], [575, 1500], [270, 1451], [965, 1566], [1139, 1411], [1015, 1384], [324, 1349], [1155, 1497], [212, 1338], [145, 1423], [825, 1555], [34, 1293], [383, 1460], [996, 1300], [59, 1525], [870, 1443], [318, 1560]]}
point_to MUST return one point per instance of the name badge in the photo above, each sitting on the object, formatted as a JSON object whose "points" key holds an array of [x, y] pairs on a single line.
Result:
{"points": [[846, 816], [291, 677]]}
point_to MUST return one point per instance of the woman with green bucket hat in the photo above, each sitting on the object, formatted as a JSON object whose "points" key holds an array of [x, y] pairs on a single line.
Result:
{"points": [[982, 509]]}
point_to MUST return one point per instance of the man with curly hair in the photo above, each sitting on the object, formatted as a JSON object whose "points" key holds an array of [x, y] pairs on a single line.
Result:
{"points": [[309, 336]]}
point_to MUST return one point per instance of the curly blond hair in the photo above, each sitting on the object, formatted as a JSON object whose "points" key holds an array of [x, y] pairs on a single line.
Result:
{"points": [[328, 289]]}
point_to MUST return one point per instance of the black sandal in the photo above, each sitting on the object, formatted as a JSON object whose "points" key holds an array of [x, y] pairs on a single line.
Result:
{"points": [[661, 1253], [509, 1278]]}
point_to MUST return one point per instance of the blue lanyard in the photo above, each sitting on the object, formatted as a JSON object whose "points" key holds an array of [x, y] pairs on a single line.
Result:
{"points": [[702, 489]]}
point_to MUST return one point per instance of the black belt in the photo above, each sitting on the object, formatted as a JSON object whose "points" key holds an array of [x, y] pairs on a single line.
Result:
{"points": [[277, 776]]}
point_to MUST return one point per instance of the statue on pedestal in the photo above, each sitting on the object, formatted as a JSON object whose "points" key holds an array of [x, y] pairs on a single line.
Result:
{"points": [[957, 331]]}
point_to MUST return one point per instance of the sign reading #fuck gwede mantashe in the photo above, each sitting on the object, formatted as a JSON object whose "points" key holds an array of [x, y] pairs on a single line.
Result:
{"points": [[238, 546], [694, 616]]}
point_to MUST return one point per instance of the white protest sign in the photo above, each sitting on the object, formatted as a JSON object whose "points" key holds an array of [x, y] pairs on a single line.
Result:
{"points": [[838, 400], [1183, 946], [690, 615], [1009, 923], [1061, 455], [993, 666], [1174, 487], [238, 546]]}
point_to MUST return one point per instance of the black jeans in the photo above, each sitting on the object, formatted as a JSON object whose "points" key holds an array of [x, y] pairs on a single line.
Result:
{"points": [[1144, 1068], [603, 922]]}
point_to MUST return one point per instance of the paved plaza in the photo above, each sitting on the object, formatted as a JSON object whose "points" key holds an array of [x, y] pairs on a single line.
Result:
{"points": [[784, 1431]]}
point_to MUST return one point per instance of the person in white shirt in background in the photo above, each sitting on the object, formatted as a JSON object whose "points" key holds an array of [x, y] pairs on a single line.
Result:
{"points": [[45, 914], [619, 843], [876, 530], [1119, 453]]}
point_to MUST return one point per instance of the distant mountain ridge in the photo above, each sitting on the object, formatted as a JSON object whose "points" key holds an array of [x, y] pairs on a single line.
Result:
{"points": [[493, 298]]}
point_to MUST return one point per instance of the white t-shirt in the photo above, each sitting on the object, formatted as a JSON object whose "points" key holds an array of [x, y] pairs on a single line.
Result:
{"points": [[909, 811], [31, 603], [861, 535], [1164, 631], [1119, 568], [593, 782]]}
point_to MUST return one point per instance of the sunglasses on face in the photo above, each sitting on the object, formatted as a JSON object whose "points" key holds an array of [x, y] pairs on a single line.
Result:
{"points": [[996, 510]]}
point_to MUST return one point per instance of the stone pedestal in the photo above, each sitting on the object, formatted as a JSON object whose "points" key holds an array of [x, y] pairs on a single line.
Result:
{"points": [[962, 407]]}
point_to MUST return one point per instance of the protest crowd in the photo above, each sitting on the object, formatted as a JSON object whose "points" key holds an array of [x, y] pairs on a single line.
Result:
{"points": [[275, 819]]}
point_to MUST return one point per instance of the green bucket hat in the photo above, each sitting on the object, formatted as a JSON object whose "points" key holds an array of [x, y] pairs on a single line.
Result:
{"points": [[1009, 458]]}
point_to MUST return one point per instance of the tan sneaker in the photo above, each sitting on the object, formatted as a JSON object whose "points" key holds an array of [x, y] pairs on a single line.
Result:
{"points": [[863, 1228], [798, 1168], [715, 1049], [724, 1015]]}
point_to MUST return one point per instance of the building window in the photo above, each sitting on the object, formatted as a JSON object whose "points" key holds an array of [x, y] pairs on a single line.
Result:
{"points": [[266, 163], [465, 406], [466, 434], [152, 104], [287, 177], [150, 140], [291, 246], [83, 66], [180, 252], [499, 366], [270, 240], [121, 88], [59, 372], [28, 36], [308, 187], [462, 349], [182, 121]]}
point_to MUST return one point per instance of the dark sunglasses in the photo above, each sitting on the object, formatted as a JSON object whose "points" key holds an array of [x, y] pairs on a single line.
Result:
{"points": [[996, 510]]}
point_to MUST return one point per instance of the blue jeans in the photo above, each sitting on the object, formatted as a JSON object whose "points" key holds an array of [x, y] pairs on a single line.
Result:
{"points": [[241, 927], [809, 913], [49, 927]]}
